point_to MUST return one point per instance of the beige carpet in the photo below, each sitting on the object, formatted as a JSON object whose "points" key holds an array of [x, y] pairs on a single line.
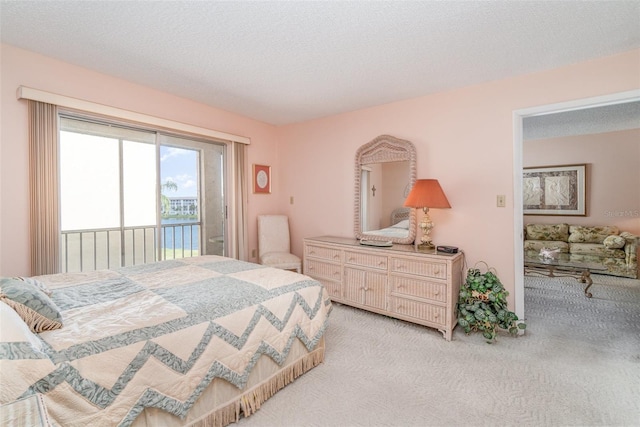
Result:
{"points": [[577, 365]]}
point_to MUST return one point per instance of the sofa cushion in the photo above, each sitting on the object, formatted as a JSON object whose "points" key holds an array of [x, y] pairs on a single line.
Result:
{"points": [[614, 242], [595, 249], [548, 232], [581, 234], [536, 245], [630, 238]]}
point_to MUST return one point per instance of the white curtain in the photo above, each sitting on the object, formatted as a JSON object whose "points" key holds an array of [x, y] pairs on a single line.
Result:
{"points": [[43, 186]]}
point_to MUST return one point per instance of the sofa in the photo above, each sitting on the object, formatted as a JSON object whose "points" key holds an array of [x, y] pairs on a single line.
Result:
{"points": [[604, 245]]}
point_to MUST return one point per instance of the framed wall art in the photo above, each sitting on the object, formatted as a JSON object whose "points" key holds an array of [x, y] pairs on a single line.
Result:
{"points": [[262, 179], [554, 190]]}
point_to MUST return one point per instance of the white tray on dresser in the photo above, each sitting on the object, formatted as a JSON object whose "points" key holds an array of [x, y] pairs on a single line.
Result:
{"points": [[399, 281]]}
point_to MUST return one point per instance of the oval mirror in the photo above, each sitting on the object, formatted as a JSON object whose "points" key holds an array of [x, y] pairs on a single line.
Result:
{"points": [[385, 171]]}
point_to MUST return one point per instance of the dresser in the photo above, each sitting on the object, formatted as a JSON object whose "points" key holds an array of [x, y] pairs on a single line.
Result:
{"points": [[419, 286]]}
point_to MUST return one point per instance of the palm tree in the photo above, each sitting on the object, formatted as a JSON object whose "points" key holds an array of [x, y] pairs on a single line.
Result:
{"points": [[166, 203]]}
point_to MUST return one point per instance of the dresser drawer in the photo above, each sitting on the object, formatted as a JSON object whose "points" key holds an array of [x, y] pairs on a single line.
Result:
{"points": [[334, 289], [323, 270], [365, 260], [419, 288], [419, 310], [433, 269], [330, 254]]}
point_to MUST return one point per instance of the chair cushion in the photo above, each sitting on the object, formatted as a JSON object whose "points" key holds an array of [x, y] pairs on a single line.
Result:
{"points": [[273, 234], [280, 260]]}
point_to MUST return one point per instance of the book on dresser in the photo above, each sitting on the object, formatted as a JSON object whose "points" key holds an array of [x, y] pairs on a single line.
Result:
{"points": [[419, 286]]}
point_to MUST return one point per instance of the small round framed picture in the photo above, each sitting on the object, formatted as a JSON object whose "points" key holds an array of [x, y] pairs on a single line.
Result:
{"points": [[262, 179]]}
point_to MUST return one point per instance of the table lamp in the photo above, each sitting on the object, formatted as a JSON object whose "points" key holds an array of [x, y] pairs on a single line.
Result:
{"points": [[425, 194]]}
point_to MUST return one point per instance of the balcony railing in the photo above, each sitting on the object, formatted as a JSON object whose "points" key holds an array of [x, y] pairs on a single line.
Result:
{"points": [[96, 249]]}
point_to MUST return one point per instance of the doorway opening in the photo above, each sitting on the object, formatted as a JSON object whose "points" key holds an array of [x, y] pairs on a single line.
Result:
{"points": [[519, 117]]}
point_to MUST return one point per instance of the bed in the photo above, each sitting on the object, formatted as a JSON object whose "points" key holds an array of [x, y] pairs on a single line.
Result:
{"points": [[399, 225], [197, 341]]}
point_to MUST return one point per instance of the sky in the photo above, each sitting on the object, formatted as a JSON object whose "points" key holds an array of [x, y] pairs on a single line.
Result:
{"points": [[179, 165]]}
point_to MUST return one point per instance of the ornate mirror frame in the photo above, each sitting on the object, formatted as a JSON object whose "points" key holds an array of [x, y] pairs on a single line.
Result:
{"points": [[384, 148]]}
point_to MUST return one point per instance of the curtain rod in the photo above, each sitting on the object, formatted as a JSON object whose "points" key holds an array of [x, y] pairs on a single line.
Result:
{"points": [[25, 92]]}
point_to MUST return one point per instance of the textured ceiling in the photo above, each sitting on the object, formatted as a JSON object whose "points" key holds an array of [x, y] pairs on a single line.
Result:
{"points": [[608, 118], [287, 62]]}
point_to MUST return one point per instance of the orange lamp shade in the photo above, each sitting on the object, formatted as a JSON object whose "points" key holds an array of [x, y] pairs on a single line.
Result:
{"points": [[427, 193]]}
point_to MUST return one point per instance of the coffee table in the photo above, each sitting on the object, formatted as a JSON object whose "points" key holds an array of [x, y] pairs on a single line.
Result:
{"points": [[562, 266]]}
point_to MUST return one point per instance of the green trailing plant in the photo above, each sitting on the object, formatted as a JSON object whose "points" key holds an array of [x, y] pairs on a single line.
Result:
{"points": [[482, 306]]}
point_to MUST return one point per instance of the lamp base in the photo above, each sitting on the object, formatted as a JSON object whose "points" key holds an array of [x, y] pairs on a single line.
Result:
{"points": [[425, 226], [426, 245]]}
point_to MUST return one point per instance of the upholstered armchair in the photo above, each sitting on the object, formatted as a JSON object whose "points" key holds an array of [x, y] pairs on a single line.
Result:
{"points": [[274, 246]]}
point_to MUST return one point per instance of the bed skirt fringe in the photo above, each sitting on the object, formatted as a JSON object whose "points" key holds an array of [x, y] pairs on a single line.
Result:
{"points": [[250, 401]]}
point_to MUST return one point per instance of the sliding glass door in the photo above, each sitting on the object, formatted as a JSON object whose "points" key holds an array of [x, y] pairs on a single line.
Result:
{"points": [[132, 196], [192, 197]]}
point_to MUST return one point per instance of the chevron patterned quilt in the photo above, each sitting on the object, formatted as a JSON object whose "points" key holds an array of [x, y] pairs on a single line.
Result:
{"points": [[156, 335]]}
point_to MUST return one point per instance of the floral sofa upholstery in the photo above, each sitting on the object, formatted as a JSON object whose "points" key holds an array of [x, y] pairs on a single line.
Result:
{"points": [[606, 245]]}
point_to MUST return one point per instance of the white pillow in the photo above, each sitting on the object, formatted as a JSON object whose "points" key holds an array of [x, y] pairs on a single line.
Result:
{"points": [[404, 224], [24, 356], [15, 330]]}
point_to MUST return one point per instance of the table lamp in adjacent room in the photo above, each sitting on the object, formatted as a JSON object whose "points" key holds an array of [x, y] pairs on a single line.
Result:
{"points": [[426, 194]]}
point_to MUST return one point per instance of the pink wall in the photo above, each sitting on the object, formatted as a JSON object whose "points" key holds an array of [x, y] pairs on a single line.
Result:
{"points": [[613, 176], [20, 67], [464, 138], [393, 194]]}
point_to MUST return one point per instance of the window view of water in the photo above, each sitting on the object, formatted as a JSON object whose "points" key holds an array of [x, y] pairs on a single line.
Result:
{"points": [[180, 233]]}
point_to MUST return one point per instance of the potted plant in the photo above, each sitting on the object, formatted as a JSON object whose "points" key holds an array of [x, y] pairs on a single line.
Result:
{"points": [[482, 305]]}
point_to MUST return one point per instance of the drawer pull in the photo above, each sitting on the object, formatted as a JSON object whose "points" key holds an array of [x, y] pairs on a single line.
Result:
{"points": [[312, 252], [336, 256], [311, 267], [352, 259], [381, 263]]}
